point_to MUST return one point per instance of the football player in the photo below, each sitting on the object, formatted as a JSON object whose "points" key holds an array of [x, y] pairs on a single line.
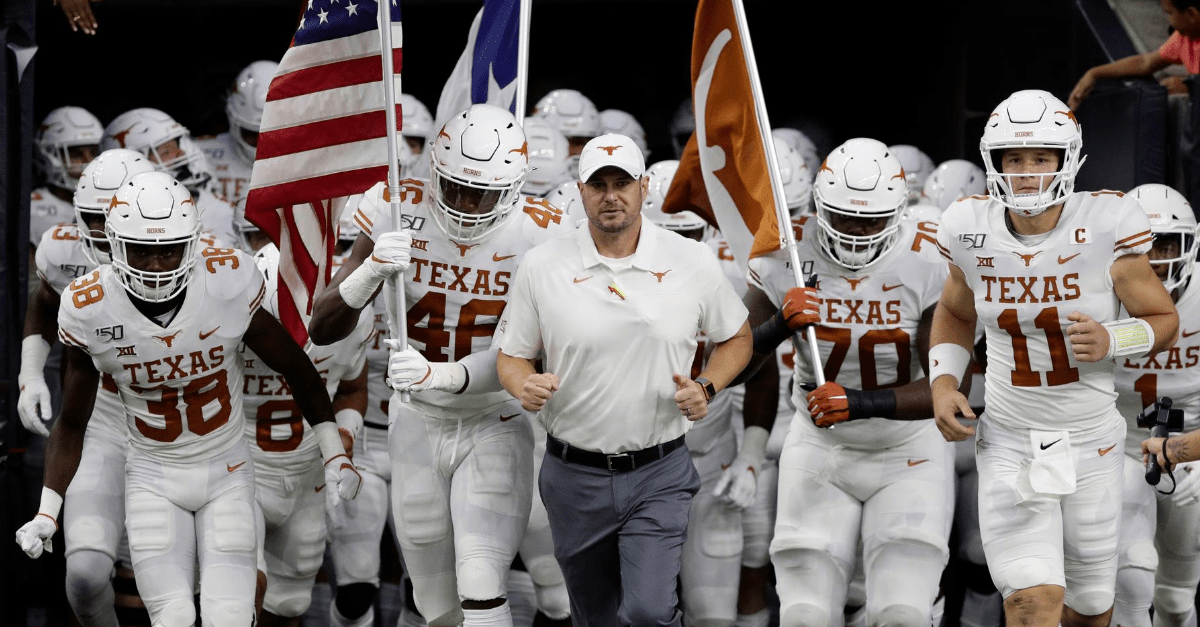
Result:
{"points": [[163, 323], [549, 158], [288, 474], [169, 146], [623, 123], [917, 167], [871, 480], [462, 474], [1159, 550], [954, 179], [574, 115], [94, 515], [1045, 270], [67, 140], [231, 154], [418, 134]]}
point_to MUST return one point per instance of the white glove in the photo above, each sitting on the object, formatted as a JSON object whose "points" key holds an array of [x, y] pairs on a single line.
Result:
{"points": [[35, 536], [335, 515], [392, 254], [408, 370], [1187, 483], [342, 478], [739, 482], [35, 398]]}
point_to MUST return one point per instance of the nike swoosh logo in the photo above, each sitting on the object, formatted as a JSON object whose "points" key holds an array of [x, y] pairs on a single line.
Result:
{"points": [[1046, 446], [234, 467], [1104, 451], [578, 280], [507, 418], [319, 488], [917, 462], [321, 359], [498, 257], [204, 336], [1062, 259], [888, 288], [1188, 333]]}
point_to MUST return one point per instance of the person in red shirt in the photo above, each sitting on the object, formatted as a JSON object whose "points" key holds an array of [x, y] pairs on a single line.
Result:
{"points": [[1182, 48]]}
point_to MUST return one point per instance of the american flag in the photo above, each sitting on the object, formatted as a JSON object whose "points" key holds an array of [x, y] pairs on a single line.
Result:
{"points": [[488, 69], [322, 140]]}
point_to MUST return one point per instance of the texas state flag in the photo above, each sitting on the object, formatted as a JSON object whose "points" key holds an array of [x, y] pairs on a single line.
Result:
{"points": [[488, 68]]}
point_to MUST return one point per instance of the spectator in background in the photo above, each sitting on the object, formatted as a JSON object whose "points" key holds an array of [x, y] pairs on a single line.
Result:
{"points": [[79, 14], [1182, 48]]}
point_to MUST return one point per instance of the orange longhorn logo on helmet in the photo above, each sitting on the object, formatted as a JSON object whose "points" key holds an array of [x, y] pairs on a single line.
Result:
{"points": [[608, 149], [900, 175], [1070, 114], [120, 136], [523, 150]]}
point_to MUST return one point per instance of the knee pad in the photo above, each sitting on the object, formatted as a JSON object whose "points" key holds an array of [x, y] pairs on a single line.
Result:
{"points": [[978, 578], [288, 597], [1140, 555], [898, 616], [1173, 600], [355, 599], [232, 615], [549, 586], [89, 575], [480, 580], [1092, 602], [178, 613], [803, 615]]}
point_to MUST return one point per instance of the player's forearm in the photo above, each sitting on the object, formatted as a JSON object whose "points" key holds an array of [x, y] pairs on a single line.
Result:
{"points": [[1166, 329], [41, 314], [513, 371], [352, 393], [64, 447], [332, 318], [952, 328], [65, 444], [762, 396], [729, 358]]}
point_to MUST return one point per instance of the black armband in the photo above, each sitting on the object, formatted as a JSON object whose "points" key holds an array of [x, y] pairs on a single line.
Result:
{"points": [[770, 334], [873, 404]]}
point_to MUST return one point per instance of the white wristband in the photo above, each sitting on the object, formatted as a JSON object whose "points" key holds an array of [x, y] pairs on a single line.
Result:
{"points": [[350, 420], [329, 440], [754, 445], [358, 288], [1131, 336], [51, 504], [34, 352], [950, 359]]}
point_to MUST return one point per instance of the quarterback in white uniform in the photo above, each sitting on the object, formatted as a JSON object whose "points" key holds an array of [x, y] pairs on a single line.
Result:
{"points": [[462, 467], [1159, 556], [145, 321], [872, 480], [94, 515], [1045, 270]]}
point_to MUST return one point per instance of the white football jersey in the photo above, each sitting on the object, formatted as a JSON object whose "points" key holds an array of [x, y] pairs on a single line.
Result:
{"points": [[45, 211], [868, 335], [1023, 295], [455, 293], [181, 384], [230, 171], [1174, 372]]}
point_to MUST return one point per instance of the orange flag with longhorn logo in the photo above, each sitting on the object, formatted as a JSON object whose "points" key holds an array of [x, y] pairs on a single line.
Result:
{"points": [[724, 175]]}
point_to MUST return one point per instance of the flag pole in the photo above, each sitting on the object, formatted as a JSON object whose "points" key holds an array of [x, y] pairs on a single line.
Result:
{"points": [[523, 60], [393, 186], [787, 238]]}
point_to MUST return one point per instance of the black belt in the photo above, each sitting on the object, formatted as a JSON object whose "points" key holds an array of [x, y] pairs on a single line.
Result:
{"points": [[375, 426], [616, 461]]}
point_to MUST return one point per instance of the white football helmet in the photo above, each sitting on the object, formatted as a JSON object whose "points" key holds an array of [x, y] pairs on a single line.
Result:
{"points": [[479, 157], [683, 124], [94, 193], [566, 197], [61, 130], [571, 112], [146, 130], [917, 167], [245, 103], [418, 122], [954, 179], [661, 174], [860, 179], [622, 123], [797, 184], [1032, 119], [1172, 221], [156, 210], [803, 145], [549, 158]]}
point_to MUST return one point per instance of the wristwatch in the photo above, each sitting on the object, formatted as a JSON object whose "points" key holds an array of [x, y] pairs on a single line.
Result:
{"points": [[710, 390]]}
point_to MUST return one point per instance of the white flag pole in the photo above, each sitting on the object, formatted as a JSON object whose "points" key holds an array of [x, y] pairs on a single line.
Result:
{"points": [[393, 187], [786, 237], [523, 60]]}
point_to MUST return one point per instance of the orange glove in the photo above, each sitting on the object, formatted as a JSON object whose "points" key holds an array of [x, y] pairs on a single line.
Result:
{"points": [[828, 405], [801, 307]]}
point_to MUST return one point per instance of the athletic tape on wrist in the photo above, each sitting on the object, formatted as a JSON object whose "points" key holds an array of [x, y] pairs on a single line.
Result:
{"points": [[34, 352], [51, 504], [1131, 336], [358, 288], [950, 359], [754, 444], [329, 440]]}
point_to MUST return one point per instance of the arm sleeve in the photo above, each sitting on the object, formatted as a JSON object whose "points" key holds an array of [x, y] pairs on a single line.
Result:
{"points": [[520, 326]]}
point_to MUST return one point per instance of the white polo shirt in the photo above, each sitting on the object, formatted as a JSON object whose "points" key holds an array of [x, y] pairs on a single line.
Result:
{"points": [[615, 331]]}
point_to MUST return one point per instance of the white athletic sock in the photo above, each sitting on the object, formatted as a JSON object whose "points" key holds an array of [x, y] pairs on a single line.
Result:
{"points": [[495, 617], [757, 619], [337, 620], [981, 610], [937, 611]]}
